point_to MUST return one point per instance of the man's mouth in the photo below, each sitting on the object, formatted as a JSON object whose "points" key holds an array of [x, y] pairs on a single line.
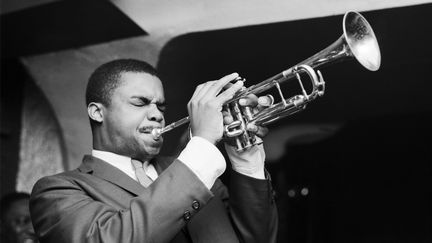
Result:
{"points": [[147, 129]]}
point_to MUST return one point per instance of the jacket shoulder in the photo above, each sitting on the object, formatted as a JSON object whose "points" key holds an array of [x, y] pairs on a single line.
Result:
{"points": [[63, 179]]}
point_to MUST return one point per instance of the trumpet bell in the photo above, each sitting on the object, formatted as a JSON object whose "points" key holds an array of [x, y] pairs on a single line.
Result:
{"points": [[361, 40]]}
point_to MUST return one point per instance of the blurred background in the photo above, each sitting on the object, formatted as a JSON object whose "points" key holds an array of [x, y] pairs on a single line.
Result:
{"points": [[355, 166]]}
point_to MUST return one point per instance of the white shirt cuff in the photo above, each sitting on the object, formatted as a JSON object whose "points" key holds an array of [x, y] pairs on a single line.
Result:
{"points": [[204, 159], [249, 162]]}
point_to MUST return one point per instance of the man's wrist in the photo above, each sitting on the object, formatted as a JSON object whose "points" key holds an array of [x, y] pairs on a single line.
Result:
{"points": [[249, 162], [204, 159]]}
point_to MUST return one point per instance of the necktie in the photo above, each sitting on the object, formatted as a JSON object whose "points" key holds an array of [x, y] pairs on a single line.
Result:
{"points": [[140, 173]]}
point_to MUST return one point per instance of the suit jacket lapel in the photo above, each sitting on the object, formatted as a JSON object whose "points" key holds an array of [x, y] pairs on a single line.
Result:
{"points": [[103, 170]]}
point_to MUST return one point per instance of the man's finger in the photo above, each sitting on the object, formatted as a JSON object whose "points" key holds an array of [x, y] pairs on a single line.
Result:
{"points": [[227, 117], [202, 89], [266, 100], [227, 86], [250, 100], [221, 83], [257, 130], [229, 93]]}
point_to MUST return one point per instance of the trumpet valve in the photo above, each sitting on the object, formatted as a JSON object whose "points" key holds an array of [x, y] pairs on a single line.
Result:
{"points": [[234, 129]]}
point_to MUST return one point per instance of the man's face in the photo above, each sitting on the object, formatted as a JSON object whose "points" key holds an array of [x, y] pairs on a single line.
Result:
{"points": [[137, 106]]}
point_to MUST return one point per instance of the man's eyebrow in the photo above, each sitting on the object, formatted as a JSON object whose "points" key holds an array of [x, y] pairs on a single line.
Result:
{"points": [[148, 100], [140, 97]]}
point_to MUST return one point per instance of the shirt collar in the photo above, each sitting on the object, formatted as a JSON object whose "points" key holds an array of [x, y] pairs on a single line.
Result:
{"points": [[121, 162], [124, 164]]}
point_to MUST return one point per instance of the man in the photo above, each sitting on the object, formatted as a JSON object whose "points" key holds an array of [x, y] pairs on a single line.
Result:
{"points": [[15, 223], [167, 200]]}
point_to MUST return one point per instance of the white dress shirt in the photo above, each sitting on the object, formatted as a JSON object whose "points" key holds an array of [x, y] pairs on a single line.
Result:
{"points": [[201, 157], [124, 164]]}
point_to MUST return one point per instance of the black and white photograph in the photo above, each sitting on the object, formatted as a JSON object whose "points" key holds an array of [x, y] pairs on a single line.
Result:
{"points": [[227, 121]]}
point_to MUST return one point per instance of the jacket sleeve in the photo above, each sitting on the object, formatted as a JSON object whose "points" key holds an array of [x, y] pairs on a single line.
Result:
{"points": [[63, 211], [251, 207]]}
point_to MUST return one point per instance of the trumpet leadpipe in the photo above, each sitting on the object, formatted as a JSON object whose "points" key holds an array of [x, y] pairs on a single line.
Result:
{"points": [[157, 132]]}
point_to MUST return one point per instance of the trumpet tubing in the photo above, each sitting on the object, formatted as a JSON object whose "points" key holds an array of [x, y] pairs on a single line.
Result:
{"points": [[357, 41]]}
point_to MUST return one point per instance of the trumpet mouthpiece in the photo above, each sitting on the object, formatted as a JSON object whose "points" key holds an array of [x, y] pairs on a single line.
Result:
{"points": [[157, 133]]}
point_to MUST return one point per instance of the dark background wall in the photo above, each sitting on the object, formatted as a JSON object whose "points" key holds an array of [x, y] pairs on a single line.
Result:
{"points": [[31, 140], [370, 181], [13, 77]]}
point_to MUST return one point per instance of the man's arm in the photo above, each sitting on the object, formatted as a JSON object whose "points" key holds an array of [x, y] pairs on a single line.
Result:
{"points": [[251, 200], [252, 208], [63, 211]]}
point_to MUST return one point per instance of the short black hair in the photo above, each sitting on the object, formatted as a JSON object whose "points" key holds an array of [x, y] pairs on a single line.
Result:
{"points": [[106, 78], [9, 199]]}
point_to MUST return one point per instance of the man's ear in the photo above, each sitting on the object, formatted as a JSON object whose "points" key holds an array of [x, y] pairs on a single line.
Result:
{"points": [[95, 112]]}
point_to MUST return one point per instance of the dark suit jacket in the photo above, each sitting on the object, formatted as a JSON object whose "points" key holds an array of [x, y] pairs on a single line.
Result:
{"points": [[99, 203]]}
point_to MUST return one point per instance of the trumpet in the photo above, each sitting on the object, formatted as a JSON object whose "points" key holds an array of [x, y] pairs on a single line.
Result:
{"points": [[358, 42]]}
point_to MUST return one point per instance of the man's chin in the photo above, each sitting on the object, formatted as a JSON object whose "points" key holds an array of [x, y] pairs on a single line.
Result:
{"points": [[153, 148], [148, 145], [147, 152]]}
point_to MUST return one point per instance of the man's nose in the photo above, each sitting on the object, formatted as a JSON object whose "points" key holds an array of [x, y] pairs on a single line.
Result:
{"points": [[155, 114]]}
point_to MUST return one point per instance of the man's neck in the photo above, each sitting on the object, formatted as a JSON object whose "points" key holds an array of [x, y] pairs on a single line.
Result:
{"points": [[118, 153]]}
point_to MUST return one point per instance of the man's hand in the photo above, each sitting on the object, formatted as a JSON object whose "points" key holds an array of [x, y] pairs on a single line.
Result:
{"points": [[250, 162], [257, 104], [205, 107]]}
